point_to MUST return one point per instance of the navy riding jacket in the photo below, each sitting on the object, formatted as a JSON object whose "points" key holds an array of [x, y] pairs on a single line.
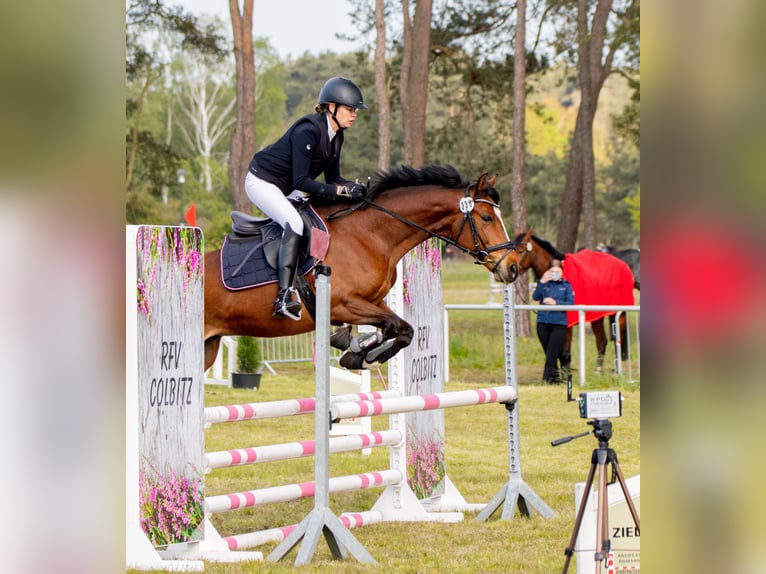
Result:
{"points": [[561, 292], [300, 155]]}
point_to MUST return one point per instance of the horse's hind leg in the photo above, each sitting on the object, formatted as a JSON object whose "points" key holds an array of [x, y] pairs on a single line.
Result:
{"points": [[624, 336], [566, 355], [211, 350], [598, 331]]}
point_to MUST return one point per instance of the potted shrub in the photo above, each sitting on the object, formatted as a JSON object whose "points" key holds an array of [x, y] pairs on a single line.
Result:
{"points": [[249, 364]]}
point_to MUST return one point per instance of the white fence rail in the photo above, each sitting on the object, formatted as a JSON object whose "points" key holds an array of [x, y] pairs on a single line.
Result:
{"points": [[581, 310], [293, 349], [225, 363]]}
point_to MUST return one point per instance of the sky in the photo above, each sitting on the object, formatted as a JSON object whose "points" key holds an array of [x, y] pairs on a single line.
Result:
{"points": [[292, 26]]}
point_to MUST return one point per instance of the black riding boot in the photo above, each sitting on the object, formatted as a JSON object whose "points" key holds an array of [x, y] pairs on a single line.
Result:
{"points": [[288, 302]]}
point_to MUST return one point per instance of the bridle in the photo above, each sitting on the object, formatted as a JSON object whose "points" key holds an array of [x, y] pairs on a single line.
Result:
{"points": [[480, 252], [523, 257]]}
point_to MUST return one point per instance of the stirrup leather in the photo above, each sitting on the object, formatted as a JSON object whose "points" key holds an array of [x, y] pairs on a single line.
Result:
{"points": [[288, 304]]}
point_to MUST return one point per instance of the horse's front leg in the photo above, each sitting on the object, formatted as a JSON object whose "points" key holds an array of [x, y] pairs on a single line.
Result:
{"points": [[377, 348]]}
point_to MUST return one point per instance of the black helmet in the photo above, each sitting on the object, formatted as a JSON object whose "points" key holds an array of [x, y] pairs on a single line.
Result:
{"points": [[342, 91]]}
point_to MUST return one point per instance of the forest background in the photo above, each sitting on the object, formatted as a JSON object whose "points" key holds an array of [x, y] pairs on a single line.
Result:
{"points": [[181, 110]]}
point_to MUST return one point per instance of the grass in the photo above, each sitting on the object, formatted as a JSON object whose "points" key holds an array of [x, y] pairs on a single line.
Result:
{"points": [[476, 458]]}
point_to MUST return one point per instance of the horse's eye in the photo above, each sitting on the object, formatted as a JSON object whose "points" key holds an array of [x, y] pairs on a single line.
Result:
{"points": [[486, 218]]}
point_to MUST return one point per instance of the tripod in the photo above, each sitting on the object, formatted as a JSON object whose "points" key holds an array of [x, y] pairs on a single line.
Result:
{"points": [[601, 457]]}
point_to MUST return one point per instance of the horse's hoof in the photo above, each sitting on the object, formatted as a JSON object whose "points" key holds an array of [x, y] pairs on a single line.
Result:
{"points": [[352, 361]]}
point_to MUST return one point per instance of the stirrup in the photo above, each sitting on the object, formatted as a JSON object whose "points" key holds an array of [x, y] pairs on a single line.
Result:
{"points": [[288, 304]]}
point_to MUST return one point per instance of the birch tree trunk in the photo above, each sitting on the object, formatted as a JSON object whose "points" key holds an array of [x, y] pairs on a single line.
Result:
{"points": [[208, 124]]}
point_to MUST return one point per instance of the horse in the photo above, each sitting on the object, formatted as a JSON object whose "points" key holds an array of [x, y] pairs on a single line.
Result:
{"points": [[632, 257], [597, 278], [404, 207]]}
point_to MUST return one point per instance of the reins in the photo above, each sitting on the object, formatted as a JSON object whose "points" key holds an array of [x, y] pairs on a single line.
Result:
{"points": [[480, 253]]}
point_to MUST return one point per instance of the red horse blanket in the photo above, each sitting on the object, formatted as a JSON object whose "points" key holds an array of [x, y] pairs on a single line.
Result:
{"points": [[597, 279]]}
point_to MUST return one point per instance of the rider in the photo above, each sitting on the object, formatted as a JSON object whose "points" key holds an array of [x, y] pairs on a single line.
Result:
{"points": [[287, 168]]}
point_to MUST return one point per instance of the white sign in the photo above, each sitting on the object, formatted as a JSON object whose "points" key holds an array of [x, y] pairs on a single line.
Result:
{"points": [[624, 536]]}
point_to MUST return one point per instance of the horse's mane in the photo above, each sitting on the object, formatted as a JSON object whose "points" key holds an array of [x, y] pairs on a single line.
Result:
{"points": [[407, 176], [545, 244]]}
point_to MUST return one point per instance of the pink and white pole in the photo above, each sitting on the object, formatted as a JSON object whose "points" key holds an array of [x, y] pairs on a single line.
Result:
{"points": [[285, 408], [270, 453], [288, 492], [504, 394]]}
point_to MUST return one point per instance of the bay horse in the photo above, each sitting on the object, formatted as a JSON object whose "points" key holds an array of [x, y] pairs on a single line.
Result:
{"points": [[403, 208], [597, 278]]}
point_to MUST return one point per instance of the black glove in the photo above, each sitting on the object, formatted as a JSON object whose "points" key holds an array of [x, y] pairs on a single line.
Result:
{"points": [[358, 191], [353, 191]]}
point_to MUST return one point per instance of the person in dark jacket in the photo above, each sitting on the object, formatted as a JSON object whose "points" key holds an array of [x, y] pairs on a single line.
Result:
{"points": [[553, 289], [289, 168]]}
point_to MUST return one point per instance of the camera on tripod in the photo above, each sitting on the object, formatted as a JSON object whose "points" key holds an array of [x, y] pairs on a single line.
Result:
{"points": [[600, 405]]}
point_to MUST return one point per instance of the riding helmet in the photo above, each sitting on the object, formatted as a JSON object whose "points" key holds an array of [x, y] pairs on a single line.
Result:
{"points": [[342, 91]]}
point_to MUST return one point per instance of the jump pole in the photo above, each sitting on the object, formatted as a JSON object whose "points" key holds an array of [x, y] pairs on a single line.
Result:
{"points": [[515, 492], [284, 408], [321, 520]]}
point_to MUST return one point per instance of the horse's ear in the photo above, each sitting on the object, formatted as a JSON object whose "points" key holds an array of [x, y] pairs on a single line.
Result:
{"points": [[528, 239], [481, 185], [493, 180]]}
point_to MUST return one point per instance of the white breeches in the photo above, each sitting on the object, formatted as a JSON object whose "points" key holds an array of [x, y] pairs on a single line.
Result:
{"points": [[270, 200]]}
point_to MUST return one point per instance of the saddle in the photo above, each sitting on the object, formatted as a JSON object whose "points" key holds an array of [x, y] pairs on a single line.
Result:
{"points": [[249, 253]]}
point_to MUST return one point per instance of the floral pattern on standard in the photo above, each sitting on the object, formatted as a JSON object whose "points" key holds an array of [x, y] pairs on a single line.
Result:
{"points": [[171, 505], [430, 252], [425, 464], [167, 246]]}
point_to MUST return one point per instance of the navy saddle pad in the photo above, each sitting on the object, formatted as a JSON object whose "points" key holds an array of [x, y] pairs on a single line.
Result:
{"points": [[249, 253]]}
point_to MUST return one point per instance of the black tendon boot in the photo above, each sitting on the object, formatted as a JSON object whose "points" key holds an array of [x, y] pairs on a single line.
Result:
{"points": [[288, 302]]}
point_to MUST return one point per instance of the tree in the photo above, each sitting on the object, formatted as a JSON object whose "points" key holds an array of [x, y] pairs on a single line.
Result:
{"points": [[146, 19], [518, 199], [594, 64], [242, 146], [381, 88], [413, 81], [208, 115]]}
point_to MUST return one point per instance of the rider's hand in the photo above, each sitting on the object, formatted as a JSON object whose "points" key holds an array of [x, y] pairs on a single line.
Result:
{"points": [[353, 191], [358, 191]]}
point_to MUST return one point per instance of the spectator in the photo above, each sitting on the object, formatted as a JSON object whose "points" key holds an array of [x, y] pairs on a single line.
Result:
{"points": [[553, 289]]}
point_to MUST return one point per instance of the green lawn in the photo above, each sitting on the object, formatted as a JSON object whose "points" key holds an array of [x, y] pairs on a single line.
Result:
{"points": [[476, 458]]}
